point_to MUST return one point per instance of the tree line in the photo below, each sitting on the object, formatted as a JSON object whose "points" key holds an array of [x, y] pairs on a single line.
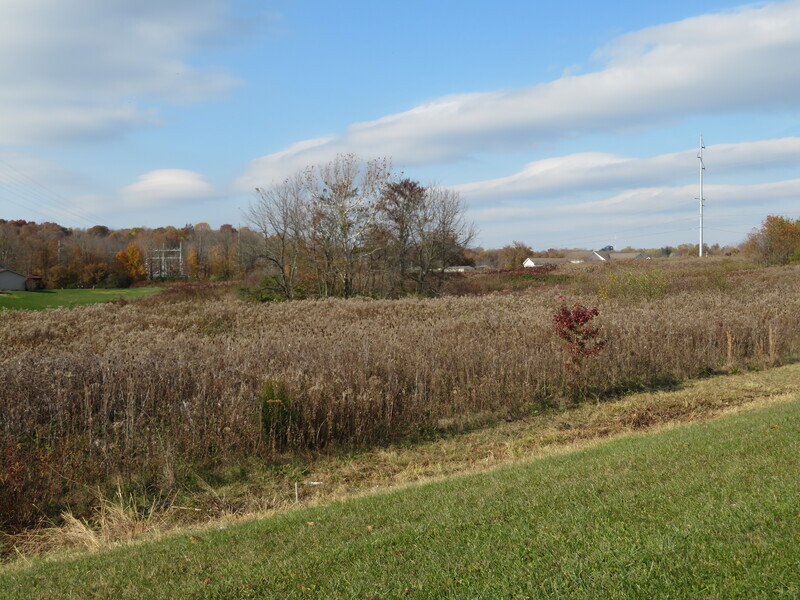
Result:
{"points": [[345, 228], [100, 257]]}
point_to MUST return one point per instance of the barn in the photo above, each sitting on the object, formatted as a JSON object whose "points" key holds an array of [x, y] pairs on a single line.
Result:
{"points": [[11, 280]]}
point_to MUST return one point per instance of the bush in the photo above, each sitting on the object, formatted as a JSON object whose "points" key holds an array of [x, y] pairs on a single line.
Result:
{"points": [[777, 242], [277, 417], [638, 285], [573, 326], [62, 277], [267, 291]]}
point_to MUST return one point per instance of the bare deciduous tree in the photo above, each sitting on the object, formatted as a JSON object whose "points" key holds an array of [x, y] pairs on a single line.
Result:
{"points": [[358, 230], [281, 217], [345, 194], [401, 207], [441, 233]]}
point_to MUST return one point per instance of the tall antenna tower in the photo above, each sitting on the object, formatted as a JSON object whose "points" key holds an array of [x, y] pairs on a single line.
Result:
{"points": [[702, 198]]}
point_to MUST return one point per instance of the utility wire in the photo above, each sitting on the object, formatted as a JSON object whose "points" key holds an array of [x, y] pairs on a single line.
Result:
{"points": [[727, 230], [27, 206], [34, 192], [574, 242]]}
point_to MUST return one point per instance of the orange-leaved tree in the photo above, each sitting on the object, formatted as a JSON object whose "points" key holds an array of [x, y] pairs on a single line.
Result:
{"points": [[777, 242], [131, 262]]}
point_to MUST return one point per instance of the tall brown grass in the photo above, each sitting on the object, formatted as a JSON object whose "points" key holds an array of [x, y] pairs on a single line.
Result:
{"points": [[143, 394]]}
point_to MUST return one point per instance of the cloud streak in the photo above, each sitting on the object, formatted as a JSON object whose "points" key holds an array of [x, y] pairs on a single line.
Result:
{"points": [[94, 69], [640, 216], [653, 200], [568, 175], [649, 78]]}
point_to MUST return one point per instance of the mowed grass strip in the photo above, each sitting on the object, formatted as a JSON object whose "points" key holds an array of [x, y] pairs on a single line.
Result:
{"points": [[709, 510], [42, 299]]}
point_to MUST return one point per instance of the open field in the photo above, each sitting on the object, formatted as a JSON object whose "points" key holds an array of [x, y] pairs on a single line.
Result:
{"points": [[707, 510], [173, 394], [42, 299]]}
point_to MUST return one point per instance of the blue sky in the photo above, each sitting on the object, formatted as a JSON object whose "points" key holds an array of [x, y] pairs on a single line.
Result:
{"points": [[569, 124]]}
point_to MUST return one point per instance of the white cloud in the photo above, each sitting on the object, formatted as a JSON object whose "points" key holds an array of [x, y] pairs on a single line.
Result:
{"points": [[163, 187], [742, 61], [642, 217], [275, 167], [93, 69], [567, 175], [652, 201]]}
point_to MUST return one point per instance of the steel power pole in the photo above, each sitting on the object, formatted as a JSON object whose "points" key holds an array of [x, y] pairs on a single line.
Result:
{"points": [[702, 199]]}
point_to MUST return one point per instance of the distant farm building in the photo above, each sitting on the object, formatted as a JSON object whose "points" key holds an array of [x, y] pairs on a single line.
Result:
{"points": [[582, 256], [11, 280]]}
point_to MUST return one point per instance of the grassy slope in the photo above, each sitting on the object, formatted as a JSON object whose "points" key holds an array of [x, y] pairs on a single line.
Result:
{"points": [[709, 510], [43, 299]]}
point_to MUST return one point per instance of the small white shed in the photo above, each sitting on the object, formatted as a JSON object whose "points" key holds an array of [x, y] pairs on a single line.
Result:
{"points": [[11, 280]]}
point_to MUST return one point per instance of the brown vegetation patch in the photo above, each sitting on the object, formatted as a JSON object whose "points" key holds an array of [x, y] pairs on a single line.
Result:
{"points": [[146, 396], [314, 479]]}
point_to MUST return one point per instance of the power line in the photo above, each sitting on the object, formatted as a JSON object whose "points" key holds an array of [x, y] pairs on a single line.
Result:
{"points": [[654, 210], [41, 204], [34, 192], [576, 242], [27, 202], [728, 231]]}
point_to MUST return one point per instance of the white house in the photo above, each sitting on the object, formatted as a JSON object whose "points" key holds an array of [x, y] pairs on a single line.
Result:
{"points": [[581, 256], [540, 262], [11, 280]]}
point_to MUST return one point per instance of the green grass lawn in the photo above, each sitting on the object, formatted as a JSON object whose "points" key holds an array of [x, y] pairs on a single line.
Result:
{"points": [[42, 299], [709, 510]]}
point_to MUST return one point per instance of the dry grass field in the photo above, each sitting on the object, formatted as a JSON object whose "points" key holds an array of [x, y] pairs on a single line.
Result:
{"points": [[141, 396]]}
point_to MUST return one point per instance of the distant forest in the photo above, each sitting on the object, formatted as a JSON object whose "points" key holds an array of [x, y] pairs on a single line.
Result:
{"points": [[101, 257]]}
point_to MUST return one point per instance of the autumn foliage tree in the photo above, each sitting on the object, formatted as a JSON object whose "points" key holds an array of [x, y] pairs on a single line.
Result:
{"points": [[131, 262], [512, 257], [99, 256], [777, 242], [193, 263]]}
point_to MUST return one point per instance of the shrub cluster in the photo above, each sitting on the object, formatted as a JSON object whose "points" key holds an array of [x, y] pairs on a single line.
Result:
{"points": [[649, 284], [573, 325]]}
